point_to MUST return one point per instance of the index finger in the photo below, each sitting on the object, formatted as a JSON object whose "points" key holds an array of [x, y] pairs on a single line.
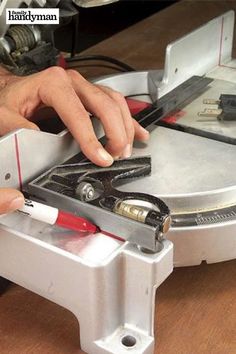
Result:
{"points": [[60, 95], [104, 108]]}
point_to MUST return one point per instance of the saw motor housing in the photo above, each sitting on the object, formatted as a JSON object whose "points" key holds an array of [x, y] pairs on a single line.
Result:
{"points": [[25, 49]]}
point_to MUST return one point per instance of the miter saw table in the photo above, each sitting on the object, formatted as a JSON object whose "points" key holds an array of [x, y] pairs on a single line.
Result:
{"points": [[110, 285]]}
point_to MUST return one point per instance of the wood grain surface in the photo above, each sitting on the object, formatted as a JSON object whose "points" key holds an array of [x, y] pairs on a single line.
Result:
{"points": [[143, 44], [196, 306]]}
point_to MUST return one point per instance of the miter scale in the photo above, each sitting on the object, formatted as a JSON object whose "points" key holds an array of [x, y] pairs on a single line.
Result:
{"points": [[193, 166]]}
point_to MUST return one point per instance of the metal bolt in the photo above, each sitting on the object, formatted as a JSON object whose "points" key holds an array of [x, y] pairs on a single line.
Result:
{"points": [[85, 191], [166, 224]]}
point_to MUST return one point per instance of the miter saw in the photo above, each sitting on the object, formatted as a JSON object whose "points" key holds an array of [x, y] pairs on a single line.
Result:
{"points": [[109, 283]]}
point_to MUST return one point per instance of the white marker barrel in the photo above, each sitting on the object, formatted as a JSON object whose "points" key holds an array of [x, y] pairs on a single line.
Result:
{"points": [[40, 211]]}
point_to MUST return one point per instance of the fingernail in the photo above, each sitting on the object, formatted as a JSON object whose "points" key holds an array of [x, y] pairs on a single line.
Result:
{"points": [[16, 203], [105, 156], [127, 151]]}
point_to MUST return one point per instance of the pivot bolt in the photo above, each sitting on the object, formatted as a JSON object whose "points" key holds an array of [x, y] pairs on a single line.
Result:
{"points": [[85, 191]]}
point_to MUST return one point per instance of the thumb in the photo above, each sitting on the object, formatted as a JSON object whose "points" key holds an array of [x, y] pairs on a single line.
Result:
{"points": [[11, 120], [10, 200]]}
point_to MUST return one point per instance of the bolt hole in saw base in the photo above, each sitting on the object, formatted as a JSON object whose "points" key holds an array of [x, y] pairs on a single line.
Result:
{"points": [[128, 341]]}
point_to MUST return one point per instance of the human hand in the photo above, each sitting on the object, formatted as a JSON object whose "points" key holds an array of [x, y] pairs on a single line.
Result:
{"points": [[10, 200], [71, 96]]}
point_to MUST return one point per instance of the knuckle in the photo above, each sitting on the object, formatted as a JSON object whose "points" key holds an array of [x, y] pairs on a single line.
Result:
{"points": [[106, 95], [120, 143], [73, 74], [55, 72], [117, 96], [105, 106]]}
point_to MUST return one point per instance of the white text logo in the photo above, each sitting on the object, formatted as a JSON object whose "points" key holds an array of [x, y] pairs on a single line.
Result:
{"points": [[32, 16]]}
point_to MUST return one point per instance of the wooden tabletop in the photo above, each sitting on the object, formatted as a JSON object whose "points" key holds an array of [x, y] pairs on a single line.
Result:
{"points": [[195, 306]]}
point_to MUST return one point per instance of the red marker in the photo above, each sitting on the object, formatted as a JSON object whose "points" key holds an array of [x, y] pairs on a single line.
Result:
{"points": [[54, 216]]}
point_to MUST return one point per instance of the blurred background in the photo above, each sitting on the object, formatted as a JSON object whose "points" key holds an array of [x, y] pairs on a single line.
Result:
{"points": [[98, 23]]}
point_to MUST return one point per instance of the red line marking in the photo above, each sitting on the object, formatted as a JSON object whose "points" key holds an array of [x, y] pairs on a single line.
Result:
{"points": [[172, 119], [18, 162], [136, 106], [111, 235]]}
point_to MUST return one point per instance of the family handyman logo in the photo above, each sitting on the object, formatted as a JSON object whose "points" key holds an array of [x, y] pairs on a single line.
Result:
{"points": [[29, 16]]}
